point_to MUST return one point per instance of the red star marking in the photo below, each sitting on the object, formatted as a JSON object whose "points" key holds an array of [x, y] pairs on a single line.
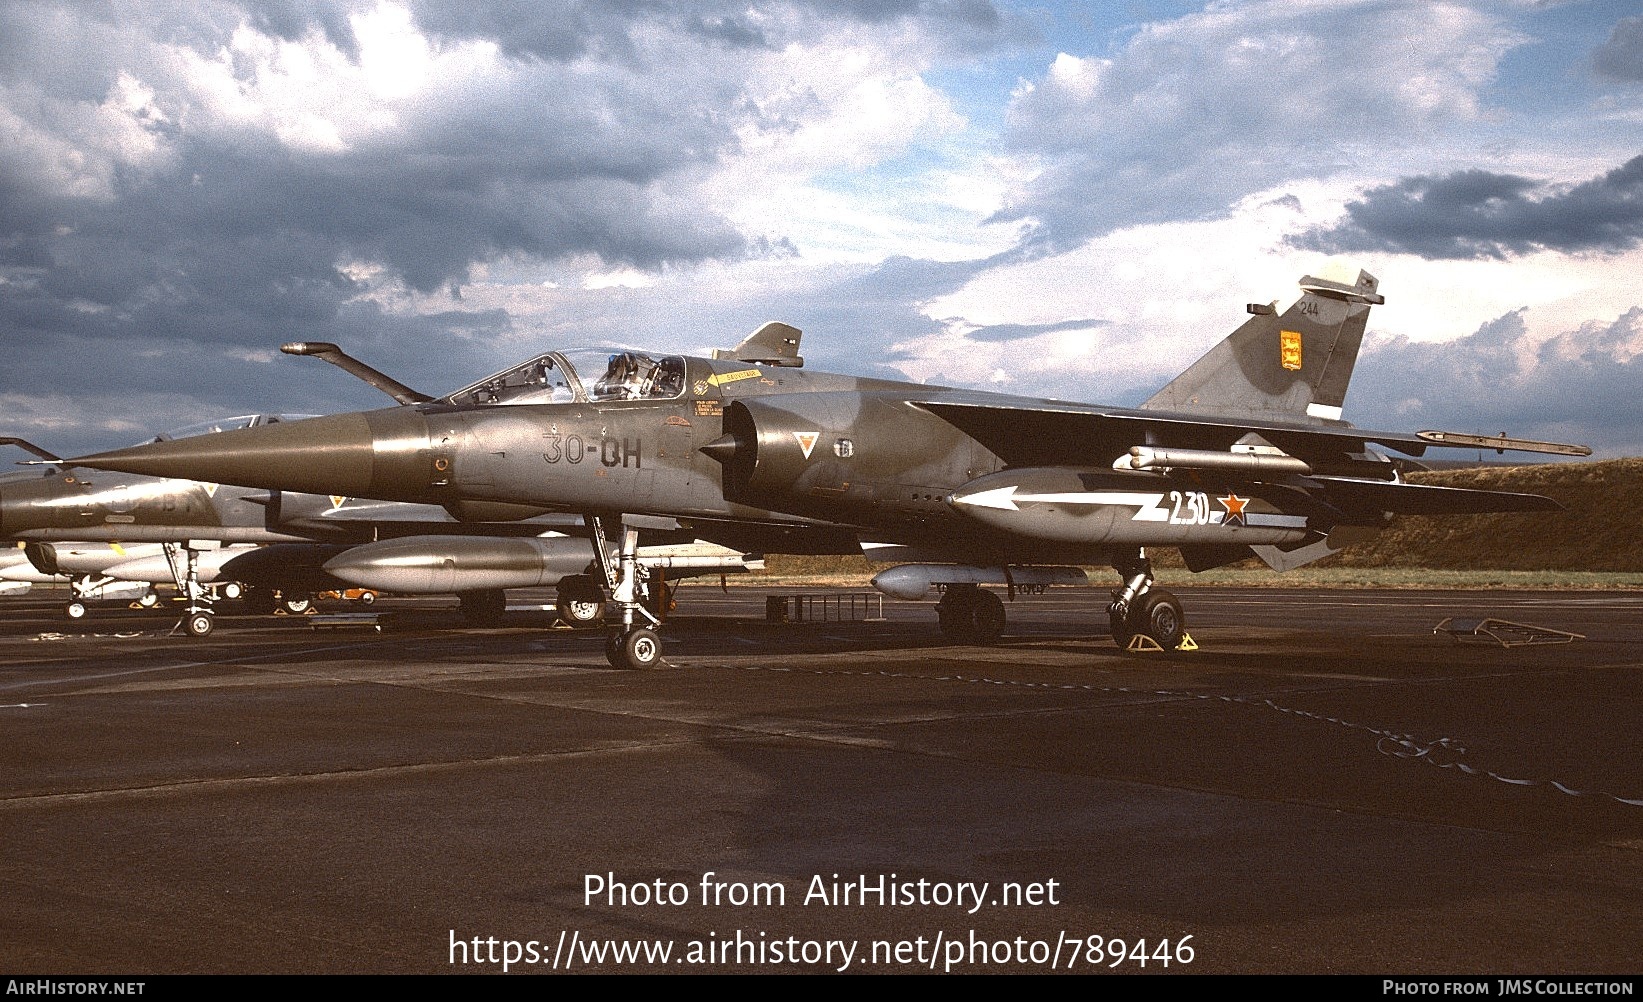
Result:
{"points": [[1235, 509]]}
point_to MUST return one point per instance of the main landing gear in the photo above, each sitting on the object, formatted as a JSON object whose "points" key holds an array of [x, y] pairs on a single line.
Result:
{"points": [[969, 615], [632, 644], [1140, 610], [580, 602]]}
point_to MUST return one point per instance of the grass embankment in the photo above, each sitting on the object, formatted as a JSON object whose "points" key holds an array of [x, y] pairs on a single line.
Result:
{"points": [[1596, 543]]}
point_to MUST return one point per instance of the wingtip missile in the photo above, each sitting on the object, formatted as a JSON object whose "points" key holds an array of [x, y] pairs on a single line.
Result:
{"points": [[1501, 443]]}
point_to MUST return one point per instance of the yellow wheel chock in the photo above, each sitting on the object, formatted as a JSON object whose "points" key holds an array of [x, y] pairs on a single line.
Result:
{"points": [[1141, 644]]}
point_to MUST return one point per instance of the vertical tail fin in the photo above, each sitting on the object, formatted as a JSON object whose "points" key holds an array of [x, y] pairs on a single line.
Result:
{"points": [[1292, 366], [775, 343]]}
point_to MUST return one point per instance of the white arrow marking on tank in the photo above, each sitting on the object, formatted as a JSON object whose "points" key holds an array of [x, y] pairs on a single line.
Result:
{"points": [[1006, 498]]}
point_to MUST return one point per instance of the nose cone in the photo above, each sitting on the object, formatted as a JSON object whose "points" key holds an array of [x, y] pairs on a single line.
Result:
{"points": [[337, 454]]}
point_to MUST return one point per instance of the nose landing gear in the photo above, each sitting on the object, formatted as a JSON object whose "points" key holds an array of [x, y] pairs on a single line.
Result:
{"points": [[633, 644]]}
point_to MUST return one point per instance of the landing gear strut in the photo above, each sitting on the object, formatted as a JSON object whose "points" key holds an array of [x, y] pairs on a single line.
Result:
{"points": [[969, 615], [184, 561], [633, 644], [1140, 609]]}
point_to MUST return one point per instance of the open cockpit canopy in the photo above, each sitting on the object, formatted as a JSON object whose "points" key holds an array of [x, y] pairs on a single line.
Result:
{"points": [[597, 375]]}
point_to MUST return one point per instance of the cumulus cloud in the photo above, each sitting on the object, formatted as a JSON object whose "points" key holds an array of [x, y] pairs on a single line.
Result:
{"points": [[1474, 213], [1580, 384], [558, 30], [215, 188], [1621, 57], [181, 189], [1188, 115], [447, 186]]}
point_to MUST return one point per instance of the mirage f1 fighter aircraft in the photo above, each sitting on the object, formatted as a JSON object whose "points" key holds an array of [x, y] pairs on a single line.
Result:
{"points": [[1244, 453]]}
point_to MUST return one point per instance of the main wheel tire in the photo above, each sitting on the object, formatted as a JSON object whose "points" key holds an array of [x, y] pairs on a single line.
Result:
{"points": [[638, 649], [298, 604], [971, 616], [953, 612], [260, 601], [1158, 614], [986, 618], [199, 624], [483, 608], [580, 602], [76, 610]]}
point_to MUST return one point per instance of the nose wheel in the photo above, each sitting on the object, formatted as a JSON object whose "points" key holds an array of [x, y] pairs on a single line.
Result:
{"points": [[199, 624], [634, 650]]}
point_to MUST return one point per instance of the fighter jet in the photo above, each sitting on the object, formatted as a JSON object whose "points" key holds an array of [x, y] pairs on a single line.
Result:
{"points": [[116, 535], [1244, 453]]}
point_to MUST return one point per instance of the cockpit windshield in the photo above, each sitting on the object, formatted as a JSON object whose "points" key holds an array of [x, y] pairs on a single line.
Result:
{"points": [[623, 374], [603, 374], [539, 381], [224, 424]]}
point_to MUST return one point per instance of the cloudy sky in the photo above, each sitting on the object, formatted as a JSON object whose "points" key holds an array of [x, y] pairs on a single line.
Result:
{"points": [[1059, 198]]}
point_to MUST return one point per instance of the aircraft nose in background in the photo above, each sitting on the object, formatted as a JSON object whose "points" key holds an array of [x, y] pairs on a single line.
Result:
{"points": [[36, 500]]}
